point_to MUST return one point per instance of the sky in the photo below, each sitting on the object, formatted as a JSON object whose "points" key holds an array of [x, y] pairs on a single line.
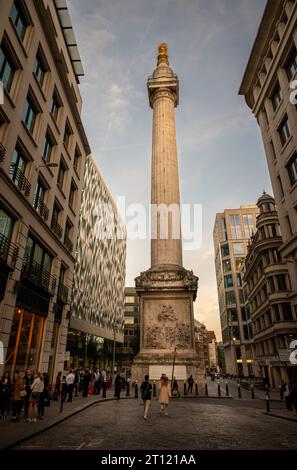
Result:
{"points": [[221, 156]]}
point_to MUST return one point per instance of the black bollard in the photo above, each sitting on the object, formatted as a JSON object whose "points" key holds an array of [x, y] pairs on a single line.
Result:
{"points": [[154, 390], [136, 389], [185, 388], [267, 403], [239, 390], [196, 389], [227, 389], [219, 390], [252, 390], [206, 388], [128, 389], [267, 390]]}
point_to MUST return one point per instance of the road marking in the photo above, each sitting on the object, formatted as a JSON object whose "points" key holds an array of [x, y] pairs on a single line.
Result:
{"points": [[81, 445]]}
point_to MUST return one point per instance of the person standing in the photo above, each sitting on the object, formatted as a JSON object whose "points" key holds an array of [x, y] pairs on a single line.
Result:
{"points": [[117, 386], [5, 391], [288, 397], [19, 392], [70, 379], [165, 394], [37, 388], [190, 384], [58, 386], [146, 395]]}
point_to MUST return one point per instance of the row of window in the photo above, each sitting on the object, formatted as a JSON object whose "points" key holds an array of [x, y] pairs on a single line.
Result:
{"points": [[16, 173], [272, 345], [35, 255], [280, 312]]}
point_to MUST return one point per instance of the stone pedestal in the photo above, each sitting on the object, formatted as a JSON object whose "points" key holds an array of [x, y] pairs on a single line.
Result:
{"points": [[167, 334]]}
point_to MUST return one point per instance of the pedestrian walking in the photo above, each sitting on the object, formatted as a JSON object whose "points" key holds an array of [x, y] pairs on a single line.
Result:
{"points": [[165, 394], [146, 395], [174, 389], [190, 384]]}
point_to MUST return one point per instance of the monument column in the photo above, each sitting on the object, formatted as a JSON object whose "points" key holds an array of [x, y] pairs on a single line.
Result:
{"points": [[167, 290], [163, 97]]}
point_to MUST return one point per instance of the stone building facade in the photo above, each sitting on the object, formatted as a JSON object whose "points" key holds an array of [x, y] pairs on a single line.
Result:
{"points": [[268, 88], [43, 148], [268, 292]]}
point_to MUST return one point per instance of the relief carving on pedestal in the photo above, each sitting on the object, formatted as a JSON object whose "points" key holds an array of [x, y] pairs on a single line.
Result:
{"points": [[166, 336]]}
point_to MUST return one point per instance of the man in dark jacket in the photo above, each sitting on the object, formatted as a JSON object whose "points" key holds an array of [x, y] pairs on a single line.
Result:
{"points": [[146, 394]]}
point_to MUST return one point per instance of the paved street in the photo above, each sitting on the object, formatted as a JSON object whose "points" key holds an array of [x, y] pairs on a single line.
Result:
{"points": [[191, 424]]}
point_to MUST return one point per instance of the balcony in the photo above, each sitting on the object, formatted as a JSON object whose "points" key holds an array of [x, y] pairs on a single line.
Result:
{"points": [[39, 276], [2, 153], [20, 180], [56, 228], [68, 243], [8, 251], [41, 208], [63, 294]]}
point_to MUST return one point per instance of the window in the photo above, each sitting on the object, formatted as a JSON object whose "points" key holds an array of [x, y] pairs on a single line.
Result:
{"points": [[243, 313], [68, 235], [6, 224], [232, 314], [7, 68], [130, 299], [18, 164], [292, 169], [129, 320], [224, 230], [238, 263], [241, 296], [67, 135], [248, 225], [76, 160], [18, 19], [238, 280], [29, 114], [37, 255], [289, 225], [272, 149], [61, 174], [291, 65], [56, 104], [275, 256], [40, 68], [280, 185], [48, 147], [225, 250], [226, 265], [72, 193], [276, 312], [276, 97], [284, 130], [56, 227], [235, 226], [39, 195], [238, 248], [230, 298], [281, 281], [287, 312], [271, 284], [228, 281]]}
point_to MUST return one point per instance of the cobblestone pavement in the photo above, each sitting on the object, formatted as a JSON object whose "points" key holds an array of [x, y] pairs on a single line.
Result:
{"points": [[192, 424]]}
